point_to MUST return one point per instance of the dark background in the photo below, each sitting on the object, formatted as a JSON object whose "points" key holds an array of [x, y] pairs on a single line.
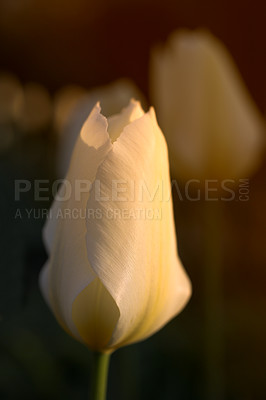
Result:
{"points": [[59, 42]]}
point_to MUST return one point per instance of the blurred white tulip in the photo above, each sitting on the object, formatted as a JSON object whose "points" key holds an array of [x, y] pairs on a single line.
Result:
{"points": [[211, 124]]}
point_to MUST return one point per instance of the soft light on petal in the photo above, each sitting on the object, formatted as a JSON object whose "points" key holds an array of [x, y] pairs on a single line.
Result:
{"points": [[73, 106], [69, 271], [136, 258]]}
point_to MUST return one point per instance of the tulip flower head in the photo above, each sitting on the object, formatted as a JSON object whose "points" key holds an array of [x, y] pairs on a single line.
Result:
{"points": [[113, 276], [72, 106], [211, 124]]}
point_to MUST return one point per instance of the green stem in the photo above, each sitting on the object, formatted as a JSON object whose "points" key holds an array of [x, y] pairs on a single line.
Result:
{"points": [[99, 375]]}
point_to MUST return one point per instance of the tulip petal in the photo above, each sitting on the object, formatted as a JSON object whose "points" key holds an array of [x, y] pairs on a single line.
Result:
{"points": [[94, 311], [95, 314], [117, 122], [92, 145], [136, 258], [69, 271]]}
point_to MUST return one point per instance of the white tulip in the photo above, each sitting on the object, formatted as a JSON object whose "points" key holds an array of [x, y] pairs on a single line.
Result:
{"points": [[114, 277], [211, 124]]}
